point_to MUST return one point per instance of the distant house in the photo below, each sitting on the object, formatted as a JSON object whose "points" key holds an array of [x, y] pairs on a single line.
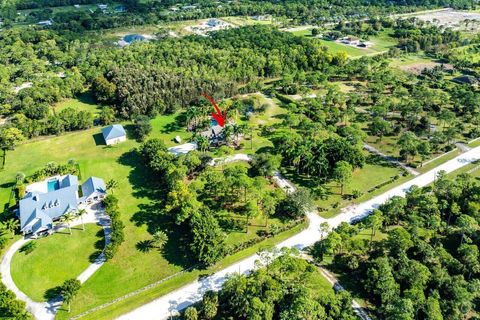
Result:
{"points": [[213, 134], [45, 23], [114, 134], [46, 201], [120, 9], [466, 79], [214, 23]]}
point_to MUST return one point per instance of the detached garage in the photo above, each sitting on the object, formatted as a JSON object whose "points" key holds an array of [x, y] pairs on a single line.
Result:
{"points": [[114, 134]]}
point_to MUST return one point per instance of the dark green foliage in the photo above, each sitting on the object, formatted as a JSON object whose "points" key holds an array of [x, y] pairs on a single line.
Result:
{"points": [[296, 204], [428, 265], [69, 290], [52, 169], [142, 127], [207, 238], [10, 307], [117, 236], [279, 290]]}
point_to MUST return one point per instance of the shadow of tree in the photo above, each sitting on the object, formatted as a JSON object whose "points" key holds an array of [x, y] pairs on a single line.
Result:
{"points": [[178, 124], [144, 246], [93, 257], [147, 186], [52, 293]]}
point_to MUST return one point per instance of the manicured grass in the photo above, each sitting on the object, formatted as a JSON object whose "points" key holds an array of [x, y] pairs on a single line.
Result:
{"points": [[84, 102], [380, 43], [144, 297], [131, 268], [55, 259], [336, 47], [474, 144]]}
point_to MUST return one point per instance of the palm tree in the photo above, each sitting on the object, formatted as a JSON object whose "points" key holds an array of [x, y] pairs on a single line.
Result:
{"points": [[202, 143], [227, 133], [11, 225], [112, 184], [160, 238], [81, 213], [68, 218]]}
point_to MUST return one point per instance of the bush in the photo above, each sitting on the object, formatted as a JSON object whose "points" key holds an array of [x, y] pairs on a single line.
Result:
{"points": [[117, 235]]}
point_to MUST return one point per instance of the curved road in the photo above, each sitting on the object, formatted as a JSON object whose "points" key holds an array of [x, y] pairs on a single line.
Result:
{"points": [[177, 300]]}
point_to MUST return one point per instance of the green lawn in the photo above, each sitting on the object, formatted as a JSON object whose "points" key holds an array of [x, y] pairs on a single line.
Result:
{"points": [[84, 102], [336, 47], [150, 294], [56, 258], [245, 21], [364, 179], [131, 268], [380, 43], [408, 60]]}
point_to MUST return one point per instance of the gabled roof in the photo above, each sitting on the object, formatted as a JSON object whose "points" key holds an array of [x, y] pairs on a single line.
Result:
{"points": [[53, 204], [93, 185], [113, 131], [69, 180]]}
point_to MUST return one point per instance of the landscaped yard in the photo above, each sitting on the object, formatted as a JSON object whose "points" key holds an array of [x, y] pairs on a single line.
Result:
{"points": [[131, 268], [55, 259]]}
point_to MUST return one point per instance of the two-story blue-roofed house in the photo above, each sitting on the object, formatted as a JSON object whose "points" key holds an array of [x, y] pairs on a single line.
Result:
{"points": [[46, 201]]}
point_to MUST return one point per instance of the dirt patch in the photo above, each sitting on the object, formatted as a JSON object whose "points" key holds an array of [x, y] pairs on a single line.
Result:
{"points": [[455, 19], [418, 67]]}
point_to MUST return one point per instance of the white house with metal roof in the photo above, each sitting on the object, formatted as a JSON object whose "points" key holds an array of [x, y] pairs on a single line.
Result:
{"points": [[114, 134], [46, 201]]}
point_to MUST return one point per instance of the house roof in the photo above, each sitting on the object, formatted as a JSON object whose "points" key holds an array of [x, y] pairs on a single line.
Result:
{"points": [[69, 180], [113, 131], [212, 132], [52, 204], [38, 209], [93, 185]]}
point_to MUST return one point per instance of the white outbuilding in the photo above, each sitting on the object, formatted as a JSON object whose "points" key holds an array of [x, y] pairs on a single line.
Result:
{"points": [[114, 134]]}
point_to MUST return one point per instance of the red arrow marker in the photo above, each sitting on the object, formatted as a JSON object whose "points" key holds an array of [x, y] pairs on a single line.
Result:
{"points": [[217, 115]]}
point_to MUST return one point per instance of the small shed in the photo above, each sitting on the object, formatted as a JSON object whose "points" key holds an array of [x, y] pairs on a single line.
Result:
{"points": [[114, 134]]}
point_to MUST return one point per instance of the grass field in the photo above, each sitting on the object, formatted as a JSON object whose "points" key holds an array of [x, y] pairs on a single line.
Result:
{"points": [[131, 268], [381, 42], [364, 179], [84, 102], [146, 296], [55, 259], [246, 21]]}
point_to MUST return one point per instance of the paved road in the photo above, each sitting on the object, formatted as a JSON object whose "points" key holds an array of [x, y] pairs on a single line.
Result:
{"points": [[47, 310], [172, 302]]}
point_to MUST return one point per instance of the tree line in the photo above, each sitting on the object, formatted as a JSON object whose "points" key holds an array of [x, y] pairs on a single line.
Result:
{"points": [[279, 288], [427, 266]]}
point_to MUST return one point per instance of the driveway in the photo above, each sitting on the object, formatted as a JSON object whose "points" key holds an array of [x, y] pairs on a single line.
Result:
{"points": [[177, 300], [47, 310]]}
